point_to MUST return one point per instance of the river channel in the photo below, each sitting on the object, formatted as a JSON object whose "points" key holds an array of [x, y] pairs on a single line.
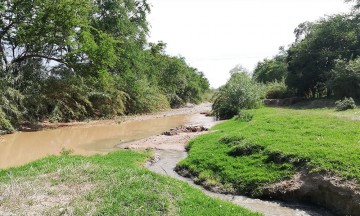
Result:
{"points": [[106, 136]]}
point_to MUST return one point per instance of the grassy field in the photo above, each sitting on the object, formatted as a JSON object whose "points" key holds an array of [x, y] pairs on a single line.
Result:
{"points": [[272, 144], [114, 184]]}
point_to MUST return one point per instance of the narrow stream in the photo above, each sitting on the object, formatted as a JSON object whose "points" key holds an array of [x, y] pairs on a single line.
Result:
{"points": [[169, 158]]}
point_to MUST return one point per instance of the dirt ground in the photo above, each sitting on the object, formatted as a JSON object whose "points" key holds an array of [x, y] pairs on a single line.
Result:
{"points": [[179, 141]]}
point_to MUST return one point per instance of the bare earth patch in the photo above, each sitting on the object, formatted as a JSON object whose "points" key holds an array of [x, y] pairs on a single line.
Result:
{"points": [[177, 138], [162, 142]]}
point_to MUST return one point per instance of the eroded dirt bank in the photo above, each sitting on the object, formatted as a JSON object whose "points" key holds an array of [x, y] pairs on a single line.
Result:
{"points": [[342, 197]]}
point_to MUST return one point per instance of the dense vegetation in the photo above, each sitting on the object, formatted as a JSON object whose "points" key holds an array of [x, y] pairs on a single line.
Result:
{"points": [[115, 184], [267, 145], [75, 59], [322, 62]]}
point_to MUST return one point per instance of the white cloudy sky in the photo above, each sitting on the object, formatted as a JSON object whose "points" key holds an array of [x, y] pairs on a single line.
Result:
{"points": [[216, 35]]}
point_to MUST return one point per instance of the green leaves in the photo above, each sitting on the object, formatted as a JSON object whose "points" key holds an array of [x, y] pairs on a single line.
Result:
{"points": [[73, 59], [312, 57], [270, 70], [345, 79], [240, 92]]}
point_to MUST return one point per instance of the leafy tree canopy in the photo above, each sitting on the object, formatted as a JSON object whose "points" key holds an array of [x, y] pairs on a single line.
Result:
{"points": [[312, 57], [271, 70], [73, 59]]}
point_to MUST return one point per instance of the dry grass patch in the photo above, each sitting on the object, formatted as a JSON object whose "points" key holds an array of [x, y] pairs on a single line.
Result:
{"points": [[44, 193]]}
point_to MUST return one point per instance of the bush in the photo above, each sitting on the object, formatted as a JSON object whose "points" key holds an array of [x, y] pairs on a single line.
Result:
{"points": [[347, 103], [5, 125], [240, 92], [278, 90]]}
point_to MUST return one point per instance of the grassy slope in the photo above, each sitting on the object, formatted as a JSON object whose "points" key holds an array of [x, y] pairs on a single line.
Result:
{"points": [[329, 140], [117, 185]]}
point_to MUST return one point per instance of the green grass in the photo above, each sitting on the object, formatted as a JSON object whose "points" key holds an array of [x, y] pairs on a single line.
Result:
{"points": [[273, 145], [114, 184]]}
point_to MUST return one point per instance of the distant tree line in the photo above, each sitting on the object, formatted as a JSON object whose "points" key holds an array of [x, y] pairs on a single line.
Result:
{"points": [[74, 59], [324, 60]]}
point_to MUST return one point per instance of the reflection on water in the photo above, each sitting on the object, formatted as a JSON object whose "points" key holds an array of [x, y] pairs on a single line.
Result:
{"points": [[20, 148]]}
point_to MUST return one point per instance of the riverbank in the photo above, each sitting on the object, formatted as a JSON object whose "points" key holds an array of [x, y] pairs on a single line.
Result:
{"points": [[289, 154], [186, 110]]}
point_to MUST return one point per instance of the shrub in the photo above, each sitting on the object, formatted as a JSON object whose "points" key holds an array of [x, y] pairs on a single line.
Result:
{"points": [[347, 103], [278, 90], [240, 92], [5, 125]]}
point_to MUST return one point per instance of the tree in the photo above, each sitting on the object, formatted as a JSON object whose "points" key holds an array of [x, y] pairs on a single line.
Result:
{"points": [[312, 57], [345, 79], [271, 70], [74, 59]]}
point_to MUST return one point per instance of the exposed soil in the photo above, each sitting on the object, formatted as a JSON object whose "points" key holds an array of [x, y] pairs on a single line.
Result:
{"points": [[342, 197], [185, 129], [176, 138]]}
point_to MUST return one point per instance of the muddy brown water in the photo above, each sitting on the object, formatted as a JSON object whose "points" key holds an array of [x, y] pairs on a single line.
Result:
{"points": [[23, 147]]}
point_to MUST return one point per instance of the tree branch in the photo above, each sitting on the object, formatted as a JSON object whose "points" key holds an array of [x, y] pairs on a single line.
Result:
{"points": [[29, 56], [2, 52], [6, 29]]}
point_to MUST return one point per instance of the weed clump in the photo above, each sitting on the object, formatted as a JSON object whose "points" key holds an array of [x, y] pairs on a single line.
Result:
{"points": [[244, 116], [347, 103], [281, 158], [66, 152], [231, 140], [245, 148]]}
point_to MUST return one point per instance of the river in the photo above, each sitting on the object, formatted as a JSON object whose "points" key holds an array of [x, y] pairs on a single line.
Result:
{"points": [[101, 137], [106, 136]]}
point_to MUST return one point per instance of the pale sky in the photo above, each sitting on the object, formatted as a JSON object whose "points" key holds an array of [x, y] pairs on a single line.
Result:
{"points": [[216, 35]]}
